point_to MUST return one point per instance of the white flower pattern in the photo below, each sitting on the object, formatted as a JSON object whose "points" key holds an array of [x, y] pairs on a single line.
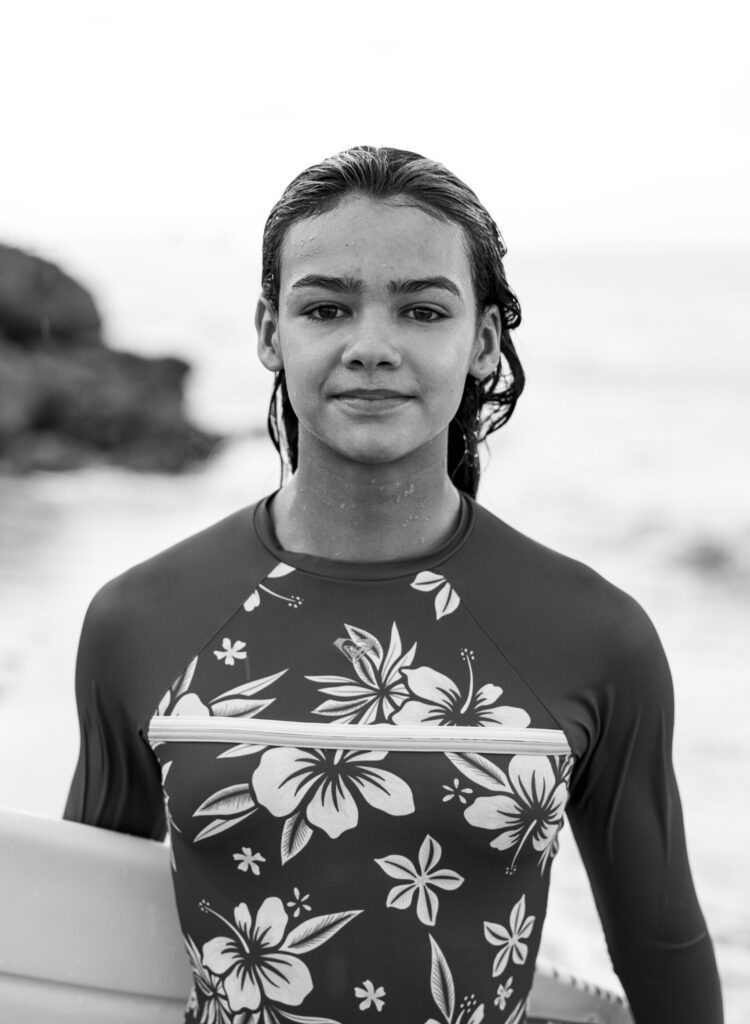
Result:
{"points": [[458, 791], [379, 689], [247, 859], [504, 992], [318, 789], [370, 996], [254, 972], [258, 963], [512, 940], [446, 598], [435, 699], [208, 990], [421, 879], [529, 805], [231, 651], [291, 600], [298, 904]]}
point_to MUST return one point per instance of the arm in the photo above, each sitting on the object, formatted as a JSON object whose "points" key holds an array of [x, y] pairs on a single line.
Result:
{"points": [[627, 820], [116, 784]]}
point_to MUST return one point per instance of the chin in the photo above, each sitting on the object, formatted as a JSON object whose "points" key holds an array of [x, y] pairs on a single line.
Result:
{"points": [[373, 456]]}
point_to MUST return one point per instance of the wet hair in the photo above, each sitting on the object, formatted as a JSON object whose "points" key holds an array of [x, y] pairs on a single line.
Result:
{"points": [[385, 174]]}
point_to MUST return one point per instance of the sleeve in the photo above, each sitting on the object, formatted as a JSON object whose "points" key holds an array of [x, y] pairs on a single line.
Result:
{"points": [[117, 783], [626, 817]]}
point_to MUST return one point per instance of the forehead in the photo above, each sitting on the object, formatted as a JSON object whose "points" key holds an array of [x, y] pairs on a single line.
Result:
{"points": [[375, 240]]}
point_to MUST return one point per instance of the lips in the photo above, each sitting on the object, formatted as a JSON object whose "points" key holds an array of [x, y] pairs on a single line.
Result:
{"points": [[371, 402], [371, 394]]}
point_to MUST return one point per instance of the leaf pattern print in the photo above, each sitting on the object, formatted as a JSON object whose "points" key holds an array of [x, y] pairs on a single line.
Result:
{"points": [[232, 804], [529, 802], [317, 789], [379, 688], [291, 600], [171, 826], [435, 699], [443, 989], [260, 966], [421, 879], [208, 993], [228, 807], [239, 702], [512, 940], [446, 598], [518, 1013]]}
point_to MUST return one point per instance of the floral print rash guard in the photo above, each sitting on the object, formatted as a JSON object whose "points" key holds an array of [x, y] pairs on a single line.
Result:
{"points": [[364, 769]]}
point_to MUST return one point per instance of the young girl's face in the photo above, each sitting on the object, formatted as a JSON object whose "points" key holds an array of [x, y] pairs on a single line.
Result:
{"points": [[376, 330]]}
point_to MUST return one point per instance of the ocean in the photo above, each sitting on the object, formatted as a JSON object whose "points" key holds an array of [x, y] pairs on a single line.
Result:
{"points": [[628, 451]]}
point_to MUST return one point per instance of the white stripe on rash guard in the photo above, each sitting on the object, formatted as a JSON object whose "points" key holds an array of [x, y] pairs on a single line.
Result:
{"points": [[273, 732]]}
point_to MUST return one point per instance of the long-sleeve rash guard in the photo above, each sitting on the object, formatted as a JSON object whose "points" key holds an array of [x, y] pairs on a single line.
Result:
{"points": [[364, 768]]}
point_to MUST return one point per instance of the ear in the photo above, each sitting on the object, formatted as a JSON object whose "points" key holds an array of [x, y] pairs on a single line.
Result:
{"points": [[266, 324], [486, 351]]}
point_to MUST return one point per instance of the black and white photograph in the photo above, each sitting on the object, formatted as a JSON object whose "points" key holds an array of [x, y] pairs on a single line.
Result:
{"points": [[374, 512]]}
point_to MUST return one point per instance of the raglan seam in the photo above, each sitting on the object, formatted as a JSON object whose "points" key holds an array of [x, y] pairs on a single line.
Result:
{"points": [[520, 675], [143, 727]]}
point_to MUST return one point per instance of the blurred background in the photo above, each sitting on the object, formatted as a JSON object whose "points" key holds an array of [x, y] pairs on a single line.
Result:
{"points": [[144, 146]]}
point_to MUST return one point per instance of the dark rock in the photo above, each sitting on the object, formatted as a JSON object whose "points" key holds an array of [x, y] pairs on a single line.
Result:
{"points": [[39, 301], [66, 400]]}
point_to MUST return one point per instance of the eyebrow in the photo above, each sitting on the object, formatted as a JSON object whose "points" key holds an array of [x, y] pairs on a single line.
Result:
{"points": [[354, 286]]}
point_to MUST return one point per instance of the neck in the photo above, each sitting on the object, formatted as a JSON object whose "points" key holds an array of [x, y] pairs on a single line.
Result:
{"points": [[367, 513]]}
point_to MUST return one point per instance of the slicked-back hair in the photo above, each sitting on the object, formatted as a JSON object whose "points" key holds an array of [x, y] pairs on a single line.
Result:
{"points": [[384, 173]]}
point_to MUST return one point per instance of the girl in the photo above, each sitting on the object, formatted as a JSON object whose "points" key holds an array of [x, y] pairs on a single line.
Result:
{"points": [[362, 706]]}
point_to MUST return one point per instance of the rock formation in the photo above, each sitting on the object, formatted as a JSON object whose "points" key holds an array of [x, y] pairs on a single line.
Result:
{"points": [[66, 399]]}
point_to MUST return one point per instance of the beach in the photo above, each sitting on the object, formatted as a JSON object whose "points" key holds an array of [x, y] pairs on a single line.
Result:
{"points": [[628, 452]]}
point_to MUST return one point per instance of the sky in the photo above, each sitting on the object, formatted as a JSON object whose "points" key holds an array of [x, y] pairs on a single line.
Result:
{"points": [[578, 124]]}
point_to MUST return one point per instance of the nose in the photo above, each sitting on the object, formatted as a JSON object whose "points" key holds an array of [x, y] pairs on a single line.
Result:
{"points": [[371, 344]]}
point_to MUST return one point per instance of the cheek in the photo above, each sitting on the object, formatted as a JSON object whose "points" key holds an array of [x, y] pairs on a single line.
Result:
{"points": [[447, 381]]}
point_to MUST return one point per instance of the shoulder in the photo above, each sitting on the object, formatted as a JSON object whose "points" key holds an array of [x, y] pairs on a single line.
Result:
{"points": [[203, 559], [145, 624], [530, 574], [573, 634]]}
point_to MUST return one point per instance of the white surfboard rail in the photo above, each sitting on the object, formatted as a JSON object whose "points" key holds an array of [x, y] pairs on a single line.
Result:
{"points": [[89, 934]]}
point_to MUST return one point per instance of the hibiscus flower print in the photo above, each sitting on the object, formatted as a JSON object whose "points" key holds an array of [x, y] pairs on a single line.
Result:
{"points": [[208, 990], [379, 688], [422, 879], [435, 699], [261, 966], [529, 807], [321, 789], [446, 598], [511, 940], [291, 600]]}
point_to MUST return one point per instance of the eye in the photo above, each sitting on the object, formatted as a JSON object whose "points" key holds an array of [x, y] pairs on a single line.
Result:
{"points": [[426, 315], [323, 312]]}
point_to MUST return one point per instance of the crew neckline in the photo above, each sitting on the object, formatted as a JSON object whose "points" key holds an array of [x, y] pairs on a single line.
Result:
{"points": [[339, 569]]}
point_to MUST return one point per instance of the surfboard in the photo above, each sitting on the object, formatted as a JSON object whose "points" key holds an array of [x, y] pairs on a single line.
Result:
{"points": [[89, 933]]}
